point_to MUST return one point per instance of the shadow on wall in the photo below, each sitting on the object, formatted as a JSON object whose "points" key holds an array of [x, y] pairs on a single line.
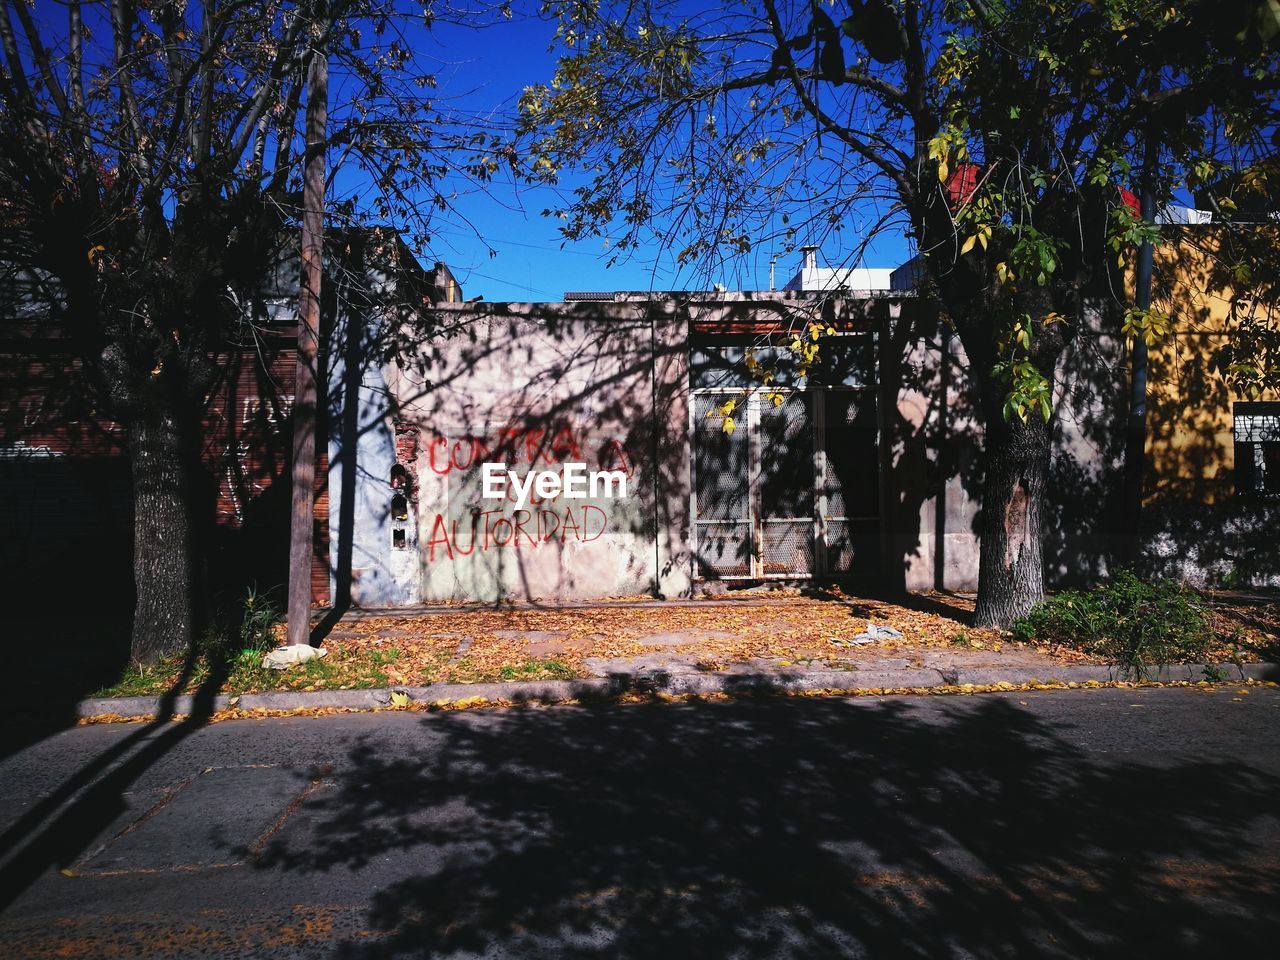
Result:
{"points": [[1197, 524], [607, 384], [1083, 512], [533, 386], [931, 455], [779, 829]]}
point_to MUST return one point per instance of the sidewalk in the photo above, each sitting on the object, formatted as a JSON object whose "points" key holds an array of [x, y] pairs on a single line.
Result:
{"points": [[627, 646]]}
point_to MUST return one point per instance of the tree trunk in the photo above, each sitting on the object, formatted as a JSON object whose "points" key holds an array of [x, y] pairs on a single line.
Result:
{"points": [[164, 564], [1011, 562]]}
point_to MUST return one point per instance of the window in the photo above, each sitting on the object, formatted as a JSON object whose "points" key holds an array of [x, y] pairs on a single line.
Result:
{"points": [[847, 360], [1257, 449]]}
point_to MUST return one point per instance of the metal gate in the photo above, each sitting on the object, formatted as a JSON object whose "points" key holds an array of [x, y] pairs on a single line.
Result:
{"points": [[793, 491]]}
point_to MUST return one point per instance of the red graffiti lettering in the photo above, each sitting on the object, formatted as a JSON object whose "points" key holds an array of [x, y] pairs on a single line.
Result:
{"points": [[483, 520], [469, 449], [524, 528], [517, 444], [470, 546], [437, 442], [439, 534], [521, 518], [533, 446], [587, 511], [570, 524], [565, 446], [614, 457], [548, 524]]}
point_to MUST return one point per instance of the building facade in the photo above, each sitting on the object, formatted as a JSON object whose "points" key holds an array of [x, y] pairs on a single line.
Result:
{"points": [[864, 469]]}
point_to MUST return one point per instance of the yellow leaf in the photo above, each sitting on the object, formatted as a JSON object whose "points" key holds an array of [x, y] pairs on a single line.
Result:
{"points": [[943, 170], [728, 426], [968, 245], [399, 699]]}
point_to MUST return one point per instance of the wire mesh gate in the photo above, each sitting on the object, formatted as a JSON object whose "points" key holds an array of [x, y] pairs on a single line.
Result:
{"points": [[793, 491]]}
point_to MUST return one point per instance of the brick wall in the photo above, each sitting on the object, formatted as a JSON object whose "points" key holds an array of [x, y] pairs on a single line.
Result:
{"points": [[64, 483]]}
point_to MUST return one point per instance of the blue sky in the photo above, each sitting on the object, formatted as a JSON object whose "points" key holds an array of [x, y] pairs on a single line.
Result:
{"points": [[483, 71]]}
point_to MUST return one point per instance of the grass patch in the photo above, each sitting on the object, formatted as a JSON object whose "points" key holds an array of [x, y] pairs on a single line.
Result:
{"points": [[144, 681], [342, 669], [534, 669], [1133, 622]]}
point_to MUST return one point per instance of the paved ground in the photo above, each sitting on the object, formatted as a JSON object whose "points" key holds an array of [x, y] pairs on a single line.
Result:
{"points": [[1107, 822]]}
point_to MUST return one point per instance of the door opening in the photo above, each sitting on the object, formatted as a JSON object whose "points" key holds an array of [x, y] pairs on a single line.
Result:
{"points": [[794, 490]]}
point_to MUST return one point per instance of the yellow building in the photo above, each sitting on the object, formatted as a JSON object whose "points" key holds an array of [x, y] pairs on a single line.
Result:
{"points": [[1206, 441]]}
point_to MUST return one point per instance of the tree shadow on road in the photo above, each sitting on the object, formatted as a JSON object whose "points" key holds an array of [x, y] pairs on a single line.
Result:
{"points": [[59, 827], [790, 828]]}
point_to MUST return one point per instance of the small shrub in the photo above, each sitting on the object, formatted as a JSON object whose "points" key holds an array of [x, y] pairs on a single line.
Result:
{"points": [[1214, 673], [258, 621], [1133, 622]]}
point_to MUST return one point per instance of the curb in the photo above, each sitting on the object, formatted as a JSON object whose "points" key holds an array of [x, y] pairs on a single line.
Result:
{"points": [[663, 682]]}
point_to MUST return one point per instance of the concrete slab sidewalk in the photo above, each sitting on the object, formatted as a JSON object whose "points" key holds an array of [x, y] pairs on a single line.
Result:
{"points": [[660, 681]]}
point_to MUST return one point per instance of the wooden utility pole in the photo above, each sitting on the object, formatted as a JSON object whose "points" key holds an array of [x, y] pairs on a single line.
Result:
{"points": [[301, 528]]}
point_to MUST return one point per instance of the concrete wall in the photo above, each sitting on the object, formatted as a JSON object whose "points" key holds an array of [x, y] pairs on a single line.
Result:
{"points": [[930, 441], [1083, 521], [607, 384], [361, 454], [1193, 528], [531, 386]]}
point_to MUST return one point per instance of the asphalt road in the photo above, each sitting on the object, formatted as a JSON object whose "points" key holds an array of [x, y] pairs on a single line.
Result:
{"points": [[1089, 823]]}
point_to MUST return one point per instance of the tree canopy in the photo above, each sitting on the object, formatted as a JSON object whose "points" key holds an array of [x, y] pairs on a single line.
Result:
{"points": [[151, 182], [1000, 135]]}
